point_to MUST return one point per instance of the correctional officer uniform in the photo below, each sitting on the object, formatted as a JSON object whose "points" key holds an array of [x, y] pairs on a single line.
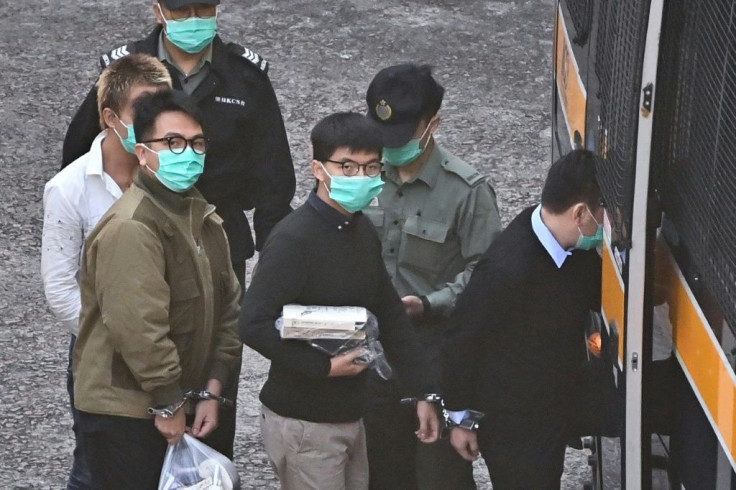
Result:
{"points": [[433, 229], [248, 163], [433, 225]]}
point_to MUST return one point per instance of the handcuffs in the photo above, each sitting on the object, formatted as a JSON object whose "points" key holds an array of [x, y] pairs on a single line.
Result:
{"points": [[170, 410], [469, 422]]}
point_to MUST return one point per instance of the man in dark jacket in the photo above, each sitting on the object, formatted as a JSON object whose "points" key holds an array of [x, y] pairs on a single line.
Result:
{"points": [[248, 163], [515, 347]]}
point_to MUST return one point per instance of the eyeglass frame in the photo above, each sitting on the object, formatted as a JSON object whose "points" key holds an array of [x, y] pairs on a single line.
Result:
{"points": [[189, 143], [364, 166]]}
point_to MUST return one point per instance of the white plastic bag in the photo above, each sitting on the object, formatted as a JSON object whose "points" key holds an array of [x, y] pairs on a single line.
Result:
{"points": [[191, 464]]}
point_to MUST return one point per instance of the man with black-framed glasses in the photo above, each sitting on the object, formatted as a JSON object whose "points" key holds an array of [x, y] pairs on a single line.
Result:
{"points": [[327, 253], [249, 164], [159, 306]]}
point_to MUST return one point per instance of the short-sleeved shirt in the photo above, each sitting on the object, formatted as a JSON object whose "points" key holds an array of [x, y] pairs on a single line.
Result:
{"points": [[434, 227]]}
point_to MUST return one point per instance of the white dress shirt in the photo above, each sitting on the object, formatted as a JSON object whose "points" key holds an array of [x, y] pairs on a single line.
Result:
{"points": [[73, 202], [548, 240], [554, 249]]}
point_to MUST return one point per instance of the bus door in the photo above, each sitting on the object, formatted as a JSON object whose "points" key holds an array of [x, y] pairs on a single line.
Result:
{"points": [[609, 48], [694, 281]]}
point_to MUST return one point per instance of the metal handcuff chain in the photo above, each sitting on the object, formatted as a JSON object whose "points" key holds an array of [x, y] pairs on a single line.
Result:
{"points": [[167, 412], [470, 422]]}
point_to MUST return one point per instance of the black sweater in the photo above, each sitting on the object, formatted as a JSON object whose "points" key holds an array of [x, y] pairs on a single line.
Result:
{"points": [[316, 256], [516, 339]]}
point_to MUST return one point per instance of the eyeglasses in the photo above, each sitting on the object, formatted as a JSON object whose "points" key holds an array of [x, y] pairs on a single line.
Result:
{"points": [[200, 11], [177, 144], [351, 168]]}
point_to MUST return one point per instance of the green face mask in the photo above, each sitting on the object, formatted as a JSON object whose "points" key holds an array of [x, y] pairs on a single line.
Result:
{"points": [[353, 193], [129, 141], [179, 171], [191, 35], [589, 242], [404, 155]]}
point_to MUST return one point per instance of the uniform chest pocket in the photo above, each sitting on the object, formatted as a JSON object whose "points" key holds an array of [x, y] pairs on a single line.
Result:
{"points": [[183, 305], [422, 243], [375, 215]]}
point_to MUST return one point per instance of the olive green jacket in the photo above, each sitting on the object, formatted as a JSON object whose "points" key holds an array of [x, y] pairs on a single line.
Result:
{"points": [[435, 227], [159, 303]]}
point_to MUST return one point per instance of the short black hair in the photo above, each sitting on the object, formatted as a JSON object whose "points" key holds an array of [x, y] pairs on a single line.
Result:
{"points": [[345, 130], [148, 107], [570, 180]]}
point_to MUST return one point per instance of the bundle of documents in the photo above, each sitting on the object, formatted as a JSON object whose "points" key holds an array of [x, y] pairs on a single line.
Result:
{"points": [[323, 322]]}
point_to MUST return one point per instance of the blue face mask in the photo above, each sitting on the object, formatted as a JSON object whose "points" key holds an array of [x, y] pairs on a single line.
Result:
{"points": [[353, 193], [589, 242], [192, 34], [404, 155], [129, 141], [179, 171]]}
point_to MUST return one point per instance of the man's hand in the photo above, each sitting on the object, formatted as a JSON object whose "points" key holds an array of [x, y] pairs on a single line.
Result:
{"points": [[206, 413], [344, 364], [171, 428], [429, 423], [465, 443], [413, 305], [205, 418]]}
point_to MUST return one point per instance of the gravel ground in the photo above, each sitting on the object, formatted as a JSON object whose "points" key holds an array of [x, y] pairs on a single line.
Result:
{"points": [[494, 59]]}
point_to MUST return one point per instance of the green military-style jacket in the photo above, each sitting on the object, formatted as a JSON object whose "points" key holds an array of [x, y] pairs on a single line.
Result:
{"points": [[159, 303], [435, 227]]}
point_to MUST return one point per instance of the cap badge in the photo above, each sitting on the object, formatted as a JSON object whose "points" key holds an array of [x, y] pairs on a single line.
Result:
{"points": [[383, 110]]}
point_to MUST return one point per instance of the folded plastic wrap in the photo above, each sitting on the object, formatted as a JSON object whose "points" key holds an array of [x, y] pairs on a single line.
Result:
{"points": [[365, 336], [190, 464]]}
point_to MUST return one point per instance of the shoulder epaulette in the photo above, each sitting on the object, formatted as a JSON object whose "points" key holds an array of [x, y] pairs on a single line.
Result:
{"points": [[469, 174], [251, 56], [114, 55]]}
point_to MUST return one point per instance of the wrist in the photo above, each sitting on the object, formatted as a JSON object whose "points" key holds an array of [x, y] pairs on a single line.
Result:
{"points": [[426, 306], [214, 386], [166, 411]]}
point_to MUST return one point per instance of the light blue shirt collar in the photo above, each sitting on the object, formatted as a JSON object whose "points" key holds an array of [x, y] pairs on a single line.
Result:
{"points": [[548, 240]]}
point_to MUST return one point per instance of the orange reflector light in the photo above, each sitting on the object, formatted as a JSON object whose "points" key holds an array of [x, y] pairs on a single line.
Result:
{"points": [[595, 344]]}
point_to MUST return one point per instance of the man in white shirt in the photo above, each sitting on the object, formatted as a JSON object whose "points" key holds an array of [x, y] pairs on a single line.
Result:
{"points": [[77, 197]]}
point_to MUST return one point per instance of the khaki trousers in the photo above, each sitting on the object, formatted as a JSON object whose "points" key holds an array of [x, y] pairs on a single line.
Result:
{"points": [[318, 456]]}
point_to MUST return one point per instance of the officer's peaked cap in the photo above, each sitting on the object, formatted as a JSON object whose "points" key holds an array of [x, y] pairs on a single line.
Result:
{"points": [[177, 4], [398, 97]]}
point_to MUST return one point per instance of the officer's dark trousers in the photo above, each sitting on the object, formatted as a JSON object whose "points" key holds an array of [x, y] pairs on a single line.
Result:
{"points": [[222, 439], [523, 451], [396, 459], [79, 477]]}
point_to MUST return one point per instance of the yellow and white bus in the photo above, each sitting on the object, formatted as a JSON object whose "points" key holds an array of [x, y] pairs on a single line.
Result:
{"points": [[650, 85]]}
